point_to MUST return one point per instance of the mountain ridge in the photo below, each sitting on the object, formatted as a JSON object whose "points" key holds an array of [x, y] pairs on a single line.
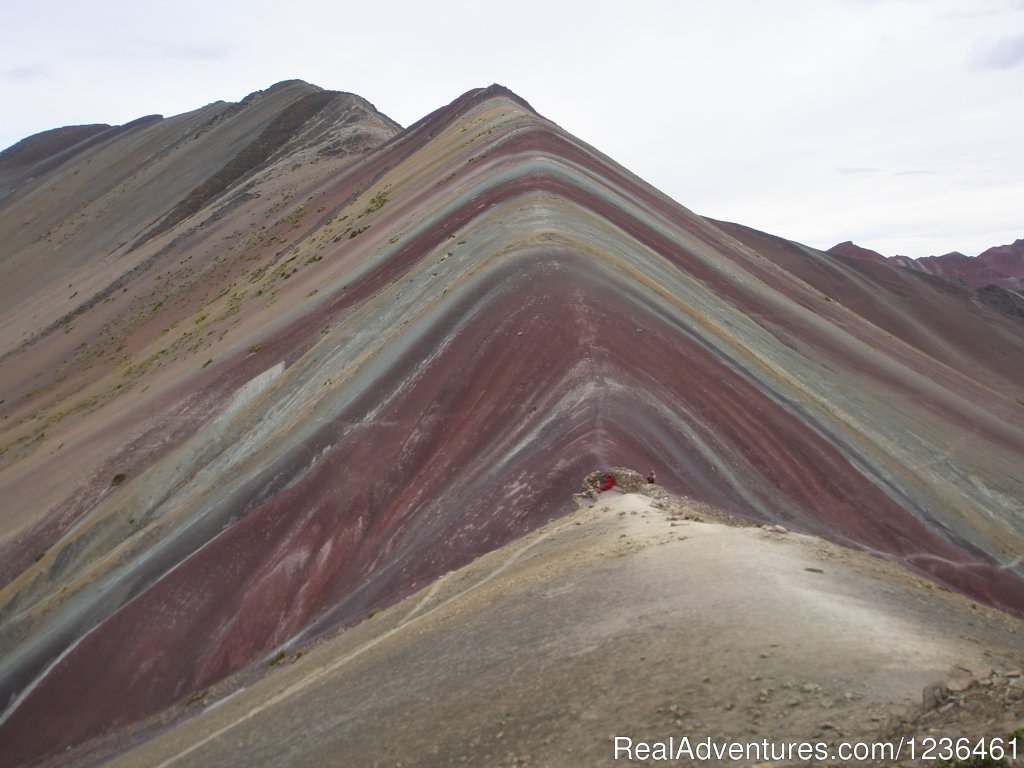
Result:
{"points": [[342, 375], [1000, 265]]}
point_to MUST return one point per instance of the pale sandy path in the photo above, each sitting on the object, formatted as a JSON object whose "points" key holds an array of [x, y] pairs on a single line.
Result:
{"points": [[613, 620]]}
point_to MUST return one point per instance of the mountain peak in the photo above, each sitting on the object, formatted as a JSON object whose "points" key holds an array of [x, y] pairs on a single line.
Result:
{"points": [[271, 368], [1001, 265], [851, 250], [1005, 259]]}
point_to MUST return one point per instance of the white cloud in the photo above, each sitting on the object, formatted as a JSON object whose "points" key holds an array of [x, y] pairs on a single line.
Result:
{"points": [[27, 72], [1005, 53], [197, 51], [814, 119]]}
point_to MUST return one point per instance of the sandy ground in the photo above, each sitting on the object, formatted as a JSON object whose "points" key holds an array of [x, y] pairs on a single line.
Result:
{"points": [[634, 616]]}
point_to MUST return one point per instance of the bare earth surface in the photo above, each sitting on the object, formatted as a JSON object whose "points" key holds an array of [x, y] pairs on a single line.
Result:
{"points": [[637, 616]]}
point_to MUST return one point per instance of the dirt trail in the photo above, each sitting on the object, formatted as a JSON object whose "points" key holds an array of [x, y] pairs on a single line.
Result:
{"points": [[634, 616]]}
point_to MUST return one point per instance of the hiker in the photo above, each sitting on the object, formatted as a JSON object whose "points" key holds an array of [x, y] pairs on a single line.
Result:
{"points": [[652, 478]]}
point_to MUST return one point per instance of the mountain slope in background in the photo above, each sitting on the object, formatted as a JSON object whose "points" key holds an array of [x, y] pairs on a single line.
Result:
{"points": [[1002, 265], [271, 367]]}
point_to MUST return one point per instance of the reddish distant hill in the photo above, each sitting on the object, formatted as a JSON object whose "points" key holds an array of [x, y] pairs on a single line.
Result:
{"points": [[1002, 265], [1006, 259], [854, 251]]}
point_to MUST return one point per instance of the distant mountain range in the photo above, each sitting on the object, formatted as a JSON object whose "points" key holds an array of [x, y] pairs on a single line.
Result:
{"points": [[1002, 265]]}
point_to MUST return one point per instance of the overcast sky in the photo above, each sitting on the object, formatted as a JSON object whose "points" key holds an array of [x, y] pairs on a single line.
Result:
{"points": [[895, 123]]}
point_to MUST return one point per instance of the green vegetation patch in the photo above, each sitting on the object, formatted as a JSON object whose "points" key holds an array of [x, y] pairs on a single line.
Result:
{"points": [[377, 202]]}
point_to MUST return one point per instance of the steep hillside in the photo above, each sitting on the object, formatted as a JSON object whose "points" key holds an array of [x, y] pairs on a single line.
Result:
{"points": [[82, 214], [271, 367]]}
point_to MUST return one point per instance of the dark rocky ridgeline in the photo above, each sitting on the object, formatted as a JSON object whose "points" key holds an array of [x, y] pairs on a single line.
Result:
{"points": [[281, 129]]}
